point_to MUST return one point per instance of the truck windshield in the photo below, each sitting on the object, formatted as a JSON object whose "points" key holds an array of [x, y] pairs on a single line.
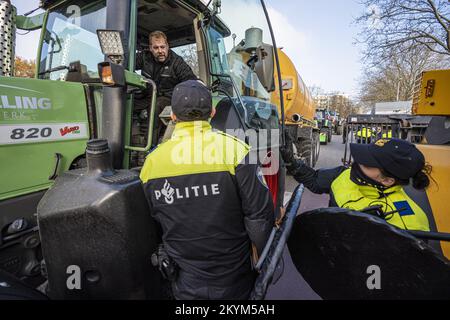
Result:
{"points": [[69, 36], [244, 55]]}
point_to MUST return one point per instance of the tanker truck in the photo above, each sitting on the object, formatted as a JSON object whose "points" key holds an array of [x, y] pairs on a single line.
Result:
{"points": [[300, 110], [299, 107]]}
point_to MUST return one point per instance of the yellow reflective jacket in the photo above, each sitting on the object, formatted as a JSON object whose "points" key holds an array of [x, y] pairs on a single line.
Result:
{"points": [[364, 133], [348, 194], [209, 200], [387, 135]]}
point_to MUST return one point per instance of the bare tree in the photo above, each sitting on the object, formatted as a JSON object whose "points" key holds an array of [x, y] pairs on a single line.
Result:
{"points": [[315, 90], [342, 104], [394, 78], [396, 25], [189, 54]]}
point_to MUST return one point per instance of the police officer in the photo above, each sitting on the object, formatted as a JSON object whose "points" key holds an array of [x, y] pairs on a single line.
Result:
{"points": [[375, 179], [167, 69], [211, 203]]}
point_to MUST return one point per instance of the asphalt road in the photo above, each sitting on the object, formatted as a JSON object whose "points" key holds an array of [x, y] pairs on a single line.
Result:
{"points": [[288, 283]]}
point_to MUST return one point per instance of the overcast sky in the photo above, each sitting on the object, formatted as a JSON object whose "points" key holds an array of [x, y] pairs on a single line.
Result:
{"points": [[317, 35]]}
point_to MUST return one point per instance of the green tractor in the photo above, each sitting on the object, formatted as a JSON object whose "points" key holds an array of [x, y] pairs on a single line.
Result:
{"points": [[87, 87], [325, 125]]}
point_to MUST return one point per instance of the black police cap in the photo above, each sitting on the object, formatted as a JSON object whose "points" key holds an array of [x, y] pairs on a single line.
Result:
{"points": [[191, 100], [398, 158]]}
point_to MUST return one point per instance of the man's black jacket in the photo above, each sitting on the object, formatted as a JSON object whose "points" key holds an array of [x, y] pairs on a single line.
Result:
{"points": [[167, 74]]}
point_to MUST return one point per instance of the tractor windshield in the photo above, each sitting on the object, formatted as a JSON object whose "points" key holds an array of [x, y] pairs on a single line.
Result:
{"points": [[69, 36], [247, 58]]}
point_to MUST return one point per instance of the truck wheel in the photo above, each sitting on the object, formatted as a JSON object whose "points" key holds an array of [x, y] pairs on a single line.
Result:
{"points": [[305, 151], [316, 149]]}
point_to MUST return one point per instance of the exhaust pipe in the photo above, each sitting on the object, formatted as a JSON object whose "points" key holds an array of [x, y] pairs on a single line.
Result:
{"points": [[296, 117], [114, 99], [7, 38]]}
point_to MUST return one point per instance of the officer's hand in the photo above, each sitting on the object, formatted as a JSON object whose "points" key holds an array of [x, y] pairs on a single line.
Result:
{"points": [[287, 151]]}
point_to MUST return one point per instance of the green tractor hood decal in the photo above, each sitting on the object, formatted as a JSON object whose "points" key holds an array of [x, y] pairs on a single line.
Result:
{"points": [[40, 121]]}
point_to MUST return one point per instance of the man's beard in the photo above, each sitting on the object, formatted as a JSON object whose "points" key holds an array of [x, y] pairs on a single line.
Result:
{"points": [[161, 57]]}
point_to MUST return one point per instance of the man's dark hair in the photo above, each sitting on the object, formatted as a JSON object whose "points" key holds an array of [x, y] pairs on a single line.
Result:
{"points": [[158, 35]]}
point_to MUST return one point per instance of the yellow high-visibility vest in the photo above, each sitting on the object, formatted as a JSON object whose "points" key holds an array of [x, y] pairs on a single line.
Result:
{"points": [[348, 194], [364, 133]]}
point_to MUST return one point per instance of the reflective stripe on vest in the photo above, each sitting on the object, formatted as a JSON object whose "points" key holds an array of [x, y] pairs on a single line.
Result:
{"points": [[348, 194], [194, 149]]}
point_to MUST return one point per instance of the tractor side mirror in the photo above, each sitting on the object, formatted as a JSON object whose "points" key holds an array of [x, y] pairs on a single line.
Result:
{"points": [[265, 67]]}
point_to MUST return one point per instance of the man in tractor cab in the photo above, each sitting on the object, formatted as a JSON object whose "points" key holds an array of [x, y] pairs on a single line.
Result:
{"points": [[374, 183], [167, 69], [211, 203]]}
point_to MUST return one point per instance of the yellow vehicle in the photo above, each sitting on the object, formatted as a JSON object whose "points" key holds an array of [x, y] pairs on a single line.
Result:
{"points": [[432, 98]]}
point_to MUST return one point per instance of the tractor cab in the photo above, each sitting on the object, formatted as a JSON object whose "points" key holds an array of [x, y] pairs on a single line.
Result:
{"points": [[241, 74]]}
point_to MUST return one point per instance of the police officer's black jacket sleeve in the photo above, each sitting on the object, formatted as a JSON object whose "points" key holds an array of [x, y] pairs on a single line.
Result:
{"points": [[257, 204], [318, 181]]}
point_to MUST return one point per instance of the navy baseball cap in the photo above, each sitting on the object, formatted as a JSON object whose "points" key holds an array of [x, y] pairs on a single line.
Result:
{"points": [[398, 158], [191, 101]]}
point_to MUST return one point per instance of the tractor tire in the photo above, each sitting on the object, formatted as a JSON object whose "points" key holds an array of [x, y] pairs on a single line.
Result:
{"points": [[316, 148], [305, 151]]}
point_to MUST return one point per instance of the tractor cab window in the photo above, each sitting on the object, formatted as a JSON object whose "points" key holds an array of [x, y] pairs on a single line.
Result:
{"points": [[246, 56], [70, 36], [189, 54], [176, 22]]}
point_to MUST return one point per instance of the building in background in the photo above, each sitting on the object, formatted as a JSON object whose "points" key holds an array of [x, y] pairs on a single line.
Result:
{"points": [[400, 107]]}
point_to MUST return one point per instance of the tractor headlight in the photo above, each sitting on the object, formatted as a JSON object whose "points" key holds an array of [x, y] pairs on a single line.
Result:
{"points": [[111, 43]]}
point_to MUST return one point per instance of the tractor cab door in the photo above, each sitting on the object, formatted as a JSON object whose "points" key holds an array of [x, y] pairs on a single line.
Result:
{"points": [[241, 62], [179, 22]]}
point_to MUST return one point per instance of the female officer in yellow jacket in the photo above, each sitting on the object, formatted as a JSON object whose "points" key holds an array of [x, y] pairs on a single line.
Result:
{"points": [[376, 178]]}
